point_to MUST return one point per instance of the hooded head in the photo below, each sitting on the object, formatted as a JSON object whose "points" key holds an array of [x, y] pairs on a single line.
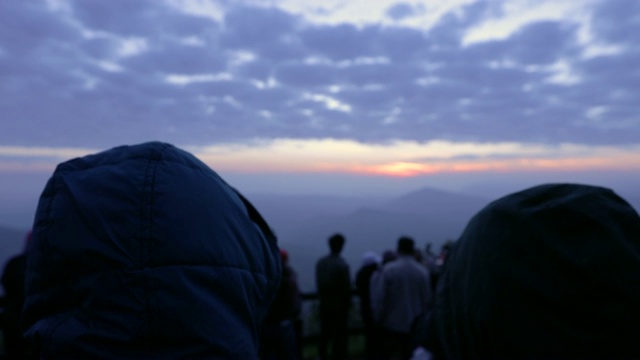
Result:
{"points": [[144, 251], [371, 258], [549, 272]]}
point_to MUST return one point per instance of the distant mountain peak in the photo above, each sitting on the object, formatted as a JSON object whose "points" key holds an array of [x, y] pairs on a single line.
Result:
{"points": [[428, 200], [430, 191]]}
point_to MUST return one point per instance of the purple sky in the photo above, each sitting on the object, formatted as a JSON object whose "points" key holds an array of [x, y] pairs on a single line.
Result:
{"points": [[328, 96]]}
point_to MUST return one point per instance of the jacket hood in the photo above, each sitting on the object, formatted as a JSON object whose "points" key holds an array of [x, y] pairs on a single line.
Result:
{"points": [[144, 251], [549, 272]]}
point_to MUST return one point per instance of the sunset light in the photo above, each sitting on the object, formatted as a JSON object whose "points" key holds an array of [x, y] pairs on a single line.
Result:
{"points": [[396, 159]]}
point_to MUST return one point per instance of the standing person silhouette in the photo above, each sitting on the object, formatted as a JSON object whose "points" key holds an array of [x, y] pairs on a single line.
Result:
{"points": [[404, 287], [370, 264], [145, 252], [279, 336], [334, 291]]}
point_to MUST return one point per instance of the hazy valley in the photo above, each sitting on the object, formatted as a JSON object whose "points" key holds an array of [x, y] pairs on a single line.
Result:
{"points": [[304, 222]]}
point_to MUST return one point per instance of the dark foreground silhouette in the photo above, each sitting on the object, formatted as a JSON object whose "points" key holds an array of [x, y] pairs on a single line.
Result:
{"points": [[145, 252], [549, 272]]}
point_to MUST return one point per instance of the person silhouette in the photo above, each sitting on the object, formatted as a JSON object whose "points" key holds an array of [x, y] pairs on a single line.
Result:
{"points": [[549, 272], [279, 339], [143, 251], [334, 291], [404, 293], [370, 263]]}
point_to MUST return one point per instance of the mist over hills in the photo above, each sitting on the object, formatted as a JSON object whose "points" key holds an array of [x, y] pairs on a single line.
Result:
{"points": [[427, 215], [303, 223]]}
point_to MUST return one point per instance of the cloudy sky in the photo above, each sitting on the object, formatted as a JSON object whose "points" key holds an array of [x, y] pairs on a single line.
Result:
{"points": [[297, 94]]}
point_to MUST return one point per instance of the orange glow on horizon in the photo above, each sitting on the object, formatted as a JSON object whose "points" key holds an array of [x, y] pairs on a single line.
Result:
{"points": [[405, 169], [410, 159], [391, 169], [398, 159]]}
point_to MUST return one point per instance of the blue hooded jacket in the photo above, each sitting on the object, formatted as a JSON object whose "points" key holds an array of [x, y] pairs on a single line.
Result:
{"points": [[145, 252]]}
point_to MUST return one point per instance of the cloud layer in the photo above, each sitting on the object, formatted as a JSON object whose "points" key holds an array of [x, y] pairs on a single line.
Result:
{"points": [[95, 73]]}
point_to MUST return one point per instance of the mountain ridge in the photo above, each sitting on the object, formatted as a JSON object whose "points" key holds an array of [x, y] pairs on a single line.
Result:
{"points": [[428, 215]]}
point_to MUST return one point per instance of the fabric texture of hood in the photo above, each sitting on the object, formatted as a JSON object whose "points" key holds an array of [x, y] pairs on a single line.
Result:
{"points": [[549, 272], [145, 252]]}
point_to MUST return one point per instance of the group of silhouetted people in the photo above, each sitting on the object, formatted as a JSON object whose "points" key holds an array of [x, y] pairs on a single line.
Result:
{"points": [[145, 252], [395, 290], [552, 271]]}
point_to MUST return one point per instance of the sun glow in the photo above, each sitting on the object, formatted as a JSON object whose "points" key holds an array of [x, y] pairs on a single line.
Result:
{"points": [[404, 169], [393, 159], [406, 158]]}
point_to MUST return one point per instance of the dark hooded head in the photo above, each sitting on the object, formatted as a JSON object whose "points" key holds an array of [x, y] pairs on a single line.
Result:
{"points": [[549, 272], [145, 252]]}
